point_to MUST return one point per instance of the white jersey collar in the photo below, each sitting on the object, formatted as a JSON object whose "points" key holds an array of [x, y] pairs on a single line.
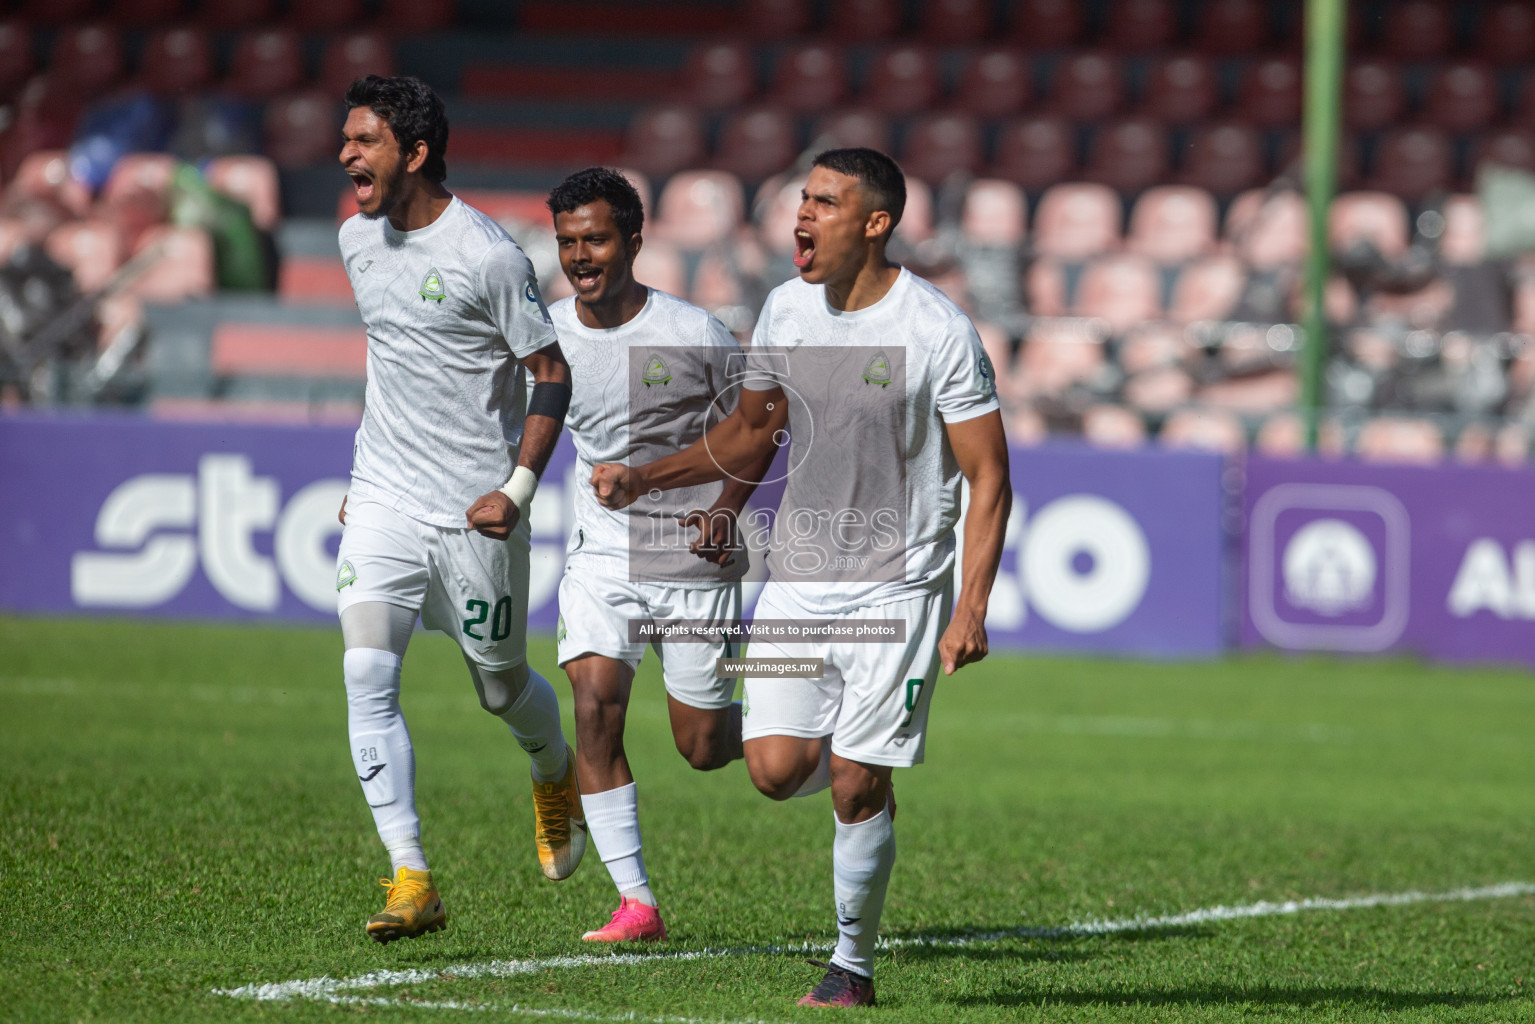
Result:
{"points": [[394, 234], [886, 301]]}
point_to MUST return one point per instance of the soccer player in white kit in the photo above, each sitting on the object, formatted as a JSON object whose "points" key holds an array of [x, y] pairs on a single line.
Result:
{"points": [[646, 371], [444, 467], [889, 400]]}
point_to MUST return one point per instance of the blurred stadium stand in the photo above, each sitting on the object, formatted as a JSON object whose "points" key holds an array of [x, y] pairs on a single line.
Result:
{"points": [[1109, 187]]}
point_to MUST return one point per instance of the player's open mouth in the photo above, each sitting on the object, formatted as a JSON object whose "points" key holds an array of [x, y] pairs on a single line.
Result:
{"points": [[804, 249], [585, 278], [362, 184]]}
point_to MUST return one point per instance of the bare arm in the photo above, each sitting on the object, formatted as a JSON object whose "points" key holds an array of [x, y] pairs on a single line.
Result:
{"points": [[495, 514], [980, 448], [718, 539]]}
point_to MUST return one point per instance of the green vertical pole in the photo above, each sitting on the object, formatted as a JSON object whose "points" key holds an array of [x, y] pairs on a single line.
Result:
{"points": [[1324, 78]]}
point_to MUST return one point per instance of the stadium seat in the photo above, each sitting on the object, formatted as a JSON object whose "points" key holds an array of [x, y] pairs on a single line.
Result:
{"points": [[1269, 228], [1462, 97], [302, 129], [350, 57], [184, 268], [44, 114], [1128, 155], [902, 80], [1283, 435], [1055, 355], [1400, 439], [1464, 240], [1374, 217], [1087, 86], [1215, 430], [1373, 94], [1231, 27], [44, 174], [1511, 447], [956, 21], [1417, 30], [865, 20], [1148, 346], [995, 214], [854, 128], [809, 77], [663, 140], [1158, 391], [1413, 162], [236, 14], [147, 13], [176, 62], [1223, 158], [16, 61], [1140, 25], [406, 18], [139, 174], [1510, 147], [253, 181], [1506, 33], [1113, 426], [313, 279], [776, 211], [1172, 223], [1077, 220], [1121, 289], [938, 145], [699, 208], [1035, 152], [325, 15], [1180, 89], [88, 58], [660, 265], [1269, 93], [1046, 24], [1252, 394], [56, 12], [13, 233], [1207, 289], [756, 142], [265, 63], [995, 82], [90, 249], [718, 75], [777, 19], [919, 221]]}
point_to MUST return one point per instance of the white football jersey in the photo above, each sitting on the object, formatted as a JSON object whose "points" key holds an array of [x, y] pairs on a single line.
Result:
{"points": [[873, 490], [641, 391], [451, 310]]}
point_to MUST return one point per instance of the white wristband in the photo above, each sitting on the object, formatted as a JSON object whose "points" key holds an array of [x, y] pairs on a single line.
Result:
{"points": [[520, 488]]}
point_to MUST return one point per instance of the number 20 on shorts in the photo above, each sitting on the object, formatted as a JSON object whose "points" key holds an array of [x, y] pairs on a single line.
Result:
{"points": [[500, 621]]}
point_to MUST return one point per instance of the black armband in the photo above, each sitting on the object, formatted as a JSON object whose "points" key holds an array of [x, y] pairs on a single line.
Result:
{"points": [[549, 399]]}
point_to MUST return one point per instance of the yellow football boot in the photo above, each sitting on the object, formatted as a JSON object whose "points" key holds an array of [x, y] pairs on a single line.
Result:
{"points": [[412, 908], [559, 827]]}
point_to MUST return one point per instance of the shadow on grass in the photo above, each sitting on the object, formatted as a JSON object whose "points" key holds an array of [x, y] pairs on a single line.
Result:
{"points": [[1350, 996]]}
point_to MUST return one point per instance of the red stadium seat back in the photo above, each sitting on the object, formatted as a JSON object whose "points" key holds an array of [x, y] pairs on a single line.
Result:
{"points": [[864, 20], [1416, 30], [253, 181], [1233, 26], [147, 13], [662, 140], [57, 12], [1181, 89], [917, 221], [139, 172], [777, 19], [1087, 86], [854, 127], [1036, 152], [938, 145], [1283, 435], [415, 17], [183, 269], [302, 129], [1511, 147], [776, 212], [901, 80], [88, 57], [1401, 439], [44, 174], [91, 250], [236, 14], [1506, 33], [266, 63], [1172, 223], [1077, 220], [1524, 101], [1269, 95], [699, 208], [177, 61], [325, 15], [16, 60], [1055, 355], [1462, 97], [995, 82], [1122, 289], [756, 142], [1203, 429], [1208, 289], [661, 266], [1464, 242], [1113, 426], [1373, 94], [995, 214], [1414, 162], [1350, 158], [1223, 158], [719, 75], [809, 77], [1046, 24], [1128, 155], [348, 58], [1139, 25], [1269, 228], [1374, 217], [956, 21]]}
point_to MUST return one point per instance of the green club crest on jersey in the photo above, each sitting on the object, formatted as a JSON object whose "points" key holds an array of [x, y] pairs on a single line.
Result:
{"points": [[559, 630], [431, 286], [656, 372], [988, 374], [877, 369], [345, 576]]}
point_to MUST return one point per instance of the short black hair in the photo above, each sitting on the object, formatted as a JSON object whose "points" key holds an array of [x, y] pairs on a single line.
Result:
{"points": [[881, 176], [414, 113], [605, 183]]}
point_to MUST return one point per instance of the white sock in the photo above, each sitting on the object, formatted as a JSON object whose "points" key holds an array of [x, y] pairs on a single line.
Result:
{"points": [[613, 822], [382, 753], [535, 720], [821, 778], [861, 858]]}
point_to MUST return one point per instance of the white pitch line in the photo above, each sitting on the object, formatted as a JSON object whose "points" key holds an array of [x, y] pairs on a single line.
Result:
{"points": [[330, 989]]}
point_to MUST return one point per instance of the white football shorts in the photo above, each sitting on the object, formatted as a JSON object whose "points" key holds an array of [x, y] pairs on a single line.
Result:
{"points": [[594, 619], [872, 699], [464, 584]]}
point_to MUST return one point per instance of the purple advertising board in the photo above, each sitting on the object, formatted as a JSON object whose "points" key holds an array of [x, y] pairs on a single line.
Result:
{"points": [[1106, 551], [1343, 556]]}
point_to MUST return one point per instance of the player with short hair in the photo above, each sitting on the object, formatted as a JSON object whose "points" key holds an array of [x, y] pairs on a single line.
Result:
{"points": [[444, 467], [889, 400], [647, 369]]}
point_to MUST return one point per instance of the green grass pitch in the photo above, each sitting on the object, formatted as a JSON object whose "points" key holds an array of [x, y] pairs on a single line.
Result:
{"points": [[179, 815]]}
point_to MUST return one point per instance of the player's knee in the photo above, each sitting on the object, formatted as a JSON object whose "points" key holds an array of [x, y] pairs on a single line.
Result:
{"points": [[372, 680], [703, 750], [777, 778], [499, 689], [598, 714]]}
